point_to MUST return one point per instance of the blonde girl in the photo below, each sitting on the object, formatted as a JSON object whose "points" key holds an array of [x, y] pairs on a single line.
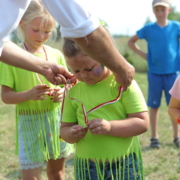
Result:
{"points": [[37, 101]]}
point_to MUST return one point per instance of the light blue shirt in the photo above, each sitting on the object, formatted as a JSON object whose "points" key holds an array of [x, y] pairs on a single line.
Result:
{"points": [[163, 47]]}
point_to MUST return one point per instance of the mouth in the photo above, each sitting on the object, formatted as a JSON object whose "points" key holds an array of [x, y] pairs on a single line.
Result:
{"points": [[39, 41], [87, 80]]}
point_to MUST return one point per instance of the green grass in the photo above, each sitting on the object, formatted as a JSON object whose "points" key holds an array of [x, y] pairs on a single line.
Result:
{"points": [[159, 164], [139, 63]]}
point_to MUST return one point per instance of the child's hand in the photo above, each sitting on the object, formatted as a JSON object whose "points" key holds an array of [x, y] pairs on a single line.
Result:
{"points": [[99, 126], [57, 94], [77, 132], [39, 92]]}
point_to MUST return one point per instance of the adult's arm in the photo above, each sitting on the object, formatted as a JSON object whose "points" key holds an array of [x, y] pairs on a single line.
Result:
{"points": [[79, 23], [100, 47], [15, 56], [10, 18], [76, 22]]}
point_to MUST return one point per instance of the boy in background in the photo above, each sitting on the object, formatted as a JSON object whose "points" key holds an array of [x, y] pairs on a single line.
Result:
{"points": [[162, 38]]}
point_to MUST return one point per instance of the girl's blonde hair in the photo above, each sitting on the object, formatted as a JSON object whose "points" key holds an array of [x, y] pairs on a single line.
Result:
{"points": [[34, 10]]}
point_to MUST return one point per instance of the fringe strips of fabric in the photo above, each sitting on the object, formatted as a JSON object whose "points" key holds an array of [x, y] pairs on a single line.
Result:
{"points": [[41, 134], [128, 167]]}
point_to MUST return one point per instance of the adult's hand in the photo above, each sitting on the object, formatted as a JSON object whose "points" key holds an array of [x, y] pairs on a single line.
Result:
{"points": [[125, 76], [56, 74]]}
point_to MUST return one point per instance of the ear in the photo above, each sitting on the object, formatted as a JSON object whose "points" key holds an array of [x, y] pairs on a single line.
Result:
{"points": [[170, 10], [22, 23]]}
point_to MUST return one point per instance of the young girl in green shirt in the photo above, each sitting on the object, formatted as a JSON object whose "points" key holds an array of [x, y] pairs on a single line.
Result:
{"points": [[37, 101], [103, 120]]}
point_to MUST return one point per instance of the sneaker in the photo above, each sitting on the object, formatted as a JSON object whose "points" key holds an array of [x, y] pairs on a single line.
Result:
{"points": [[177, 141], [155, 144]]}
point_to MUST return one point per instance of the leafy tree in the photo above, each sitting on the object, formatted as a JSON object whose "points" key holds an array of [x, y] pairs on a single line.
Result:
{"points": [[174, 15]]}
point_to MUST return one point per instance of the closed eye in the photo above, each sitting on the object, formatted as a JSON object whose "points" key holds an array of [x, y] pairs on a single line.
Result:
{"points": [[90, 69], [35, 30], [47, 32]]}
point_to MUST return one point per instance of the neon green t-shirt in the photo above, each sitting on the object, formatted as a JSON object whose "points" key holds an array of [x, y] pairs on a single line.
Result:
{"points": [[103, 147], [22, 80]]}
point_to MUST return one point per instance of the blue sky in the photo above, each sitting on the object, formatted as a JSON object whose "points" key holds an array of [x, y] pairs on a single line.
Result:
{"points": [[125, 16]]}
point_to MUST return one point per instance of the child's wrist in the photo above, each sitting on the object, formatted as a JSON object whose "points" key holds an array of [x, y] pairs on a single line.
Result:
{"points": [[28, 95]]}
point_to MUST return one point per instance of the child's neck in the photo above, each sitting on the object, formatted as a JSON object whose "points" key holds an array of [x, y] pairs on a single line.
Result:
{"points": [[40, 50], [162, 23], [31, 49]]}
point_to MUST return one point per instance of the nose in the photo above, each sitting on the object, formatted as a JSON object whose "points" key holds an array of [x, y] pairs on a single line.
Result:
{"points": [[84, 74], [41, 35]]}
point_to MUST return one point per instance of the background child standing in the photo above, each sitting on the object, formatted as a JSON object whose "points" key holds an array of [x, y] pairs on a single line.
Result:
{"points": [[163, 59], [37, 101], [102, 120]]}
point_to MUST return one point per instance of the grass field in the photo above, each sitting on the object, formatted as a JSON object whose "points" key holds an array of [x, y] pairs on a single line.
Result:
{"points": [[159, 164]]}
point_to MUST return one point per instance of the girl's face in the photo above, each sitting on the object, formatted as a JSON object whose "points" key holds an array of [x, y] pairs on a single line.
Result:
{"points": [[35, 34], [86, 69], [161, 12]]}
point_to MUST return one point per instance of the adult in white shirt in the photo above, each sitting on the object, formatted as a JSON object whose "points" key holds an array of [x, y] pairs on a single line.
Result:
{"points": [[77, 23]]}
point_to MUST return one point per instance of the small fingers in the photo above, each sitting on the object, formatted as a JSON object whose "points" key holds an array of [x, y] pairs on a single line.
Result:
{"points": [[42, 86], [96, 130]]}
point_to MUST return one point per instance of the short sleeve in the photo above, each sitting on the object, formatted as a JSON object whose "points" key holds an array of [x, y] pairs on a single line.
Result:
{"points": [[6, 75], [75, 18], [141, 33], [133, 100], [175, 90], [179, 29]]}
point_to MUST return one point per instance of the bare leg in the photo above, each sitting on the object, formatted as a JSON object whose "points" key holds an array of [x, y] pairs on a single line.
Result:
{"points": [[154, 122], [31, 174], [56, 169], [176, 139], [175, 128]]}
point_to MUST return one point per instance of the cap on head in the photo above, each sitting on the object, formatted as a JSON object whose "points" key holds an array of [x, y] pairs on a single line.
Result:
{"points": [[165, 3]]}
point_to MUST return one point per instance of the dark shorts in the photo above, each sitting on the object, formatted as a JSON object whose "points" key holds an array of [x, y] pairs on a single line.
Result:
{"points": [[156, 85], [129, 169]]}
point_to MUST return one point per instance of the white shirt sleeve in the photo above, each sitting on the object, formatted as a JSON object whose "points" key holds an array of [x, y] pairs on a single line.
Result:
{"points": [[73, 16], [10, 15]]}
